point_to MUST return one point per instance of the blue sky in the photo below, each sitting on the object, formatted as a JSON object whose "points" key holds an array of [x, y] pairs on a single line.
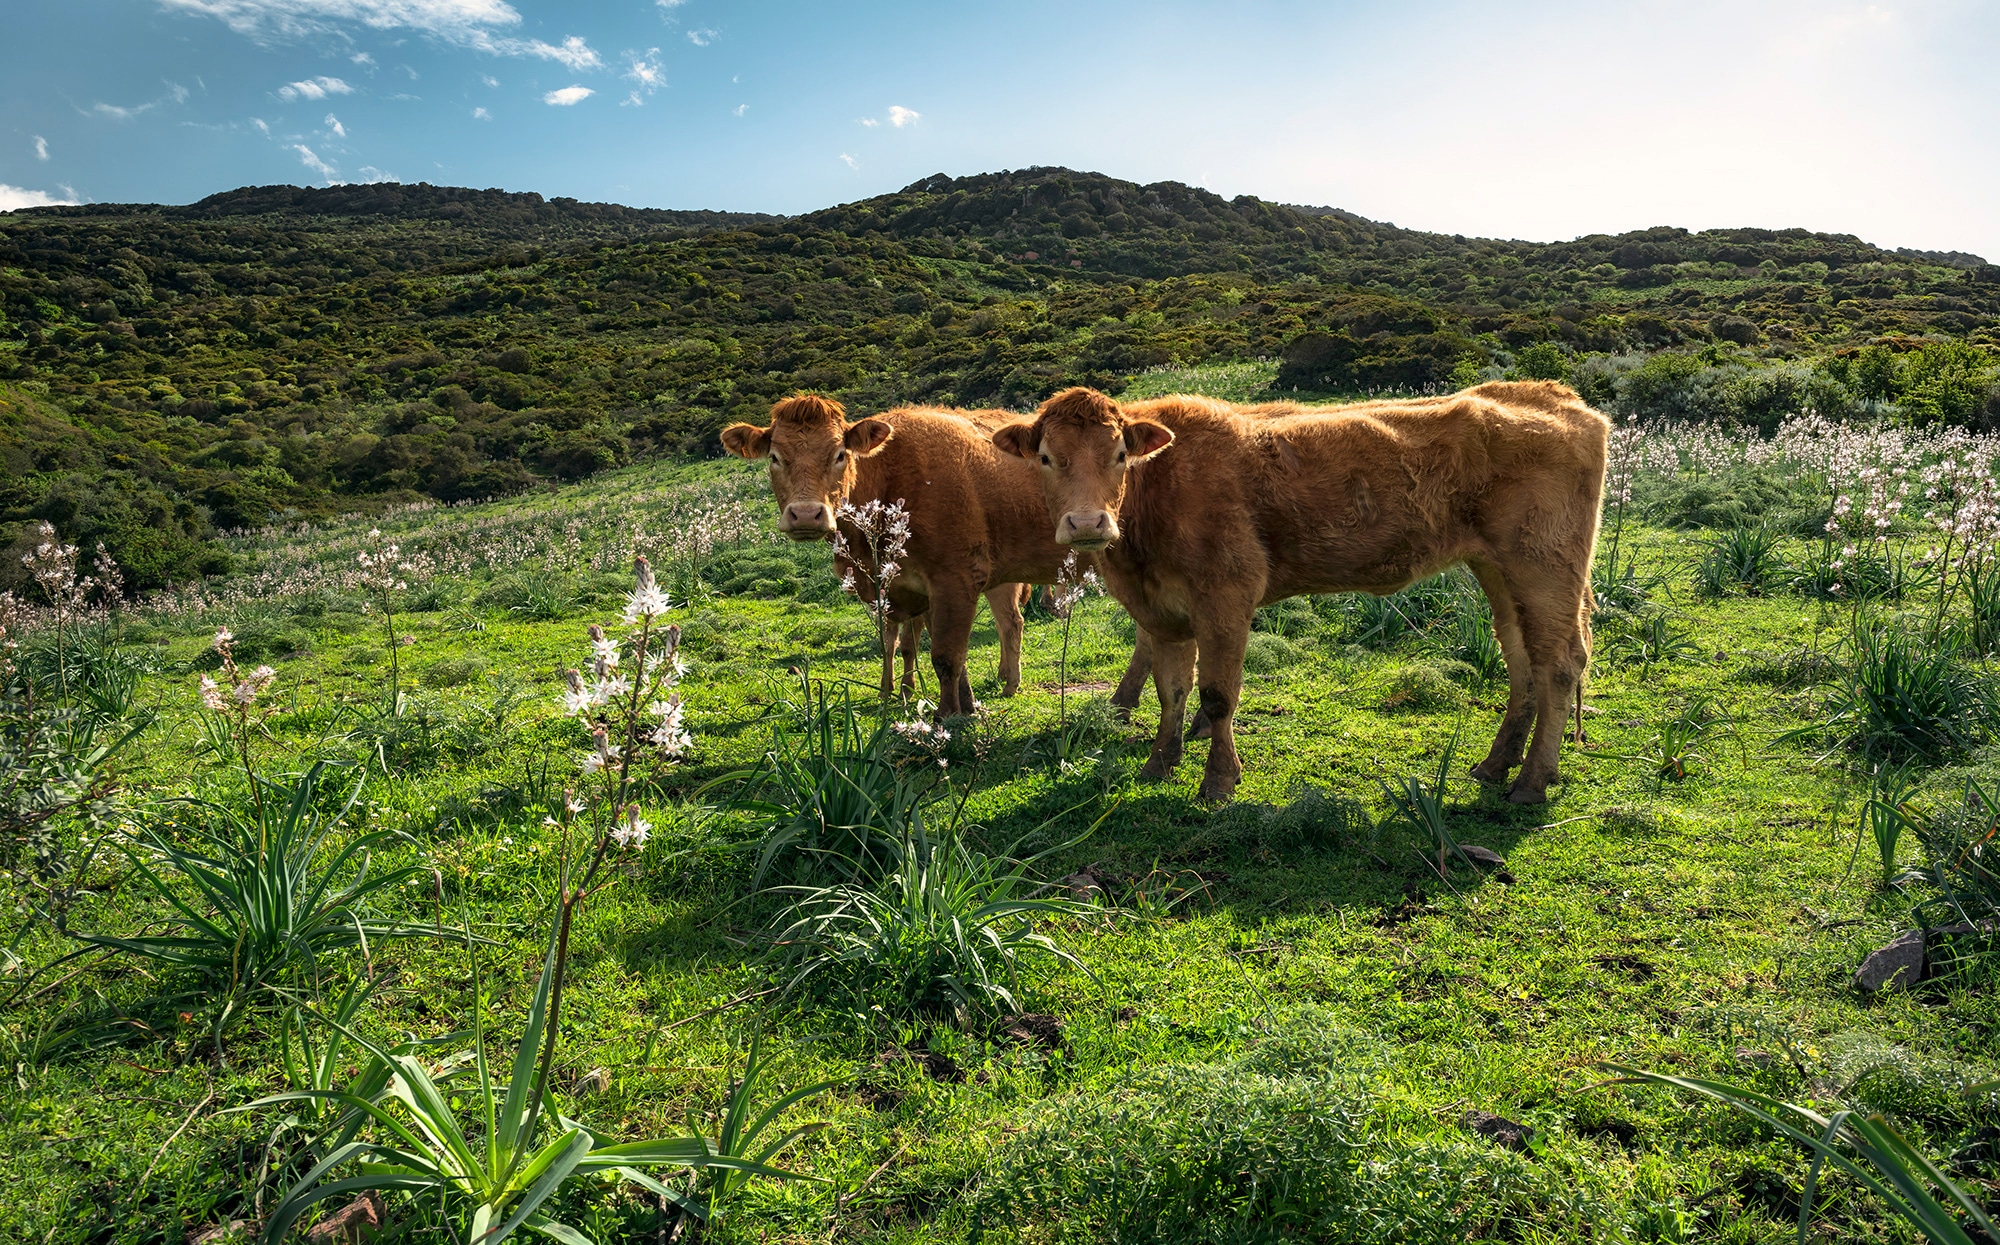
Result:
{"points": [[1535, 121]]}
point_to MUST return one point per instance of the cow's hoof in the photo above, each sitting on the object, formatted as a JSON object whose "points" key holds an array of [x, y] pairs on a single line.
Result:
{"points": [[1528, 795], [1217, 789], [1487, 771], [1201, 729], [1121, 714]]}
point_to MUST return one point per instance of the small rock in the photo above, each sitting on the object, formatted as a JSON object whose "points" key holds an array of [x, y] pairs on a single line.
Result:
{"points": [[1897, 966], [1035, 1029], [1500, 1130], [1750, 1057], [1082, 887], [595, 1081], [1487, 858]]}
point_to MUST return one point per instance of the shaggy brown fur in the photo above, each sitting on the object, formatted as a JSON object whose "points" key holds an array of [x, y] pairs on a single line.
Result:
{"points": [[976, 519], [1204, 512]]}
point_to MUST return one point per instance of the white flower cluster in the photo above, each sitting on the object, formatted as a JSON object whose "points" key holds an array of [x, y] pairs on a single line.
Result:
{"points": [[381, 564], [602, 684], [647, 600], [243, 689], [632, 830], [885, 537], [1070, 585]]}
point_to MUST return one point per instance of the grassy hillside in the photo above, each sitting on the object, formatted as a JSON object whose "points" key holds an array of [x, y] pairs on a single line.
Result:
{"points": [[1285, 989], [273, 353]]}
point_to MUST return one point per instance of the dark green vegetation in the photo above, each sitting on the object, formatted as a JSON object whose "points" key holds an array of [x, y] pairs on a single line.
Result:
{"points": [[267, 353], [1272, 1021]]}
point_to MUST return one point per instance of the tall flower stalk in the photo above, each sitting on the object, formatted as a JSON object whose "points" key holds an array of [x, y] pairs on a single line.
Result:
{"points": [[233, 699], [1071, 584], [382, 570], [626, 693], [884, 529]]}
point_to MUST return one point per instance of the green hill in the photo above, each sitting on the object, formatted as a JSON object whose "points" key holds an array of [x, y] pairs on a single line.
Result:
{"points": [[278, 351]]}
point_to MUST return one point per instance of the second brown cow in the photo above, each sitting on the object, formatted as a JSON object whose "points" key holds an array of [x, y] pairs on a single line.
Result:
{"points": [[1201, 513], [976, 522]]}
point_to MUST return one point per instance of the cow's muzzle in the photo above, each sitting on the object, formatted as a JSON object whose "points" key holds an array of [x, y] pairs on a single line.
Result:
{"points": [[1088, 530], [806, 520]]}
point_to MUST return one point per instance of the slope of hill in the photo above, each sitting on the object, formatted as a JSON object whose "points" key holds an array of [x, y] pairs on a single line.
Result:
{"points": [[274, 351]]}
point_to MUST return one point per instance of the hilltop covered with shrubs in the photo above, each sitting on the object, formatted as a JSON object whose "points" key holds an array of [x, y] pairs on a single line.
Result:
{"points": [[167, 371]]}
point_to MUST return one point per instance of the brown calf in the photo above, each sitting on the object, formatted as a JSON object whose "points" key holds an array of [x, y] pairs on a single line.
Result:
{"points": [[977, 521], [1202, 513]]}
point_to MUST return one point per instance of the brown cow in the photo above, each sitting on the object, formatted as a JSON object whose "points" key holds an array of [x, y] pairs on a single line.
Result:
{"points": [[1203, 513], [977, 522]]}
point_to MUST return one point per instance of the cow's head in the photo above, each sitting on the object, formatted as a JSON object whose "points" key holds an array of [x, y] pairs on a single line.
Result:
{"points": [[1085, 445], [813, 453]]}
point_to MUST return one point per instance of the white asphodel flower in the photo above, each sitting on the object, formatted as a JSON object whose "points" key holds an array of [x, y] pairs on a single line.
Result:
{"points": [[633, 831], [605, 755], [575, 697], [211, 695], [647, 600]]}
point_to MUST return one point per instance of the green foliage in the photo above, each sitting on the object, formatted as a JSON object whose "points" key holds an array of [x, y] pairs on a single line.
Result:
{"points": [[1540, 361], [259, 894], [1742, 559], [1187, 1154], [947, 930], [1866, 1147], [1906, 694]]}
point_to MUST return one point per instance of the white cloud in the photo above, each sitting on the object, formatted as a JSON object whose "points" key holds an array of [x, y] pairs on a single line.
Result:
{"points": [[362, 58], [370, 175], [670, 5], [14, 198], [334, 127], [568, 95], [294, 19], [850, 161], [265, 130], [573, 53], [741, 109], [314, 88], [317, 165], [648, 73], [870, 122], [900, 116], [489, 79], [701, 38], [480, 114], [41, 148]]}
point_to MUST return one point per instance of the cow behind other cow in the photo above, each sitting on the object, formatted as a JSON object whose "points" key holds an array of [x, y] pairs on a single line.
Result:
{"points": [[976, 518], [1201, 513]]}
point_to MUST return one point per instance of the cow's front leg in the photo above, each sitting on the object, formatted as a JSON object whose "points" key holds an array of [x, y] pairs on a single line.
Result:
{"points": [[953, 609], [1222, 642], [1173, 678], [1126, 698], [913, 633]]}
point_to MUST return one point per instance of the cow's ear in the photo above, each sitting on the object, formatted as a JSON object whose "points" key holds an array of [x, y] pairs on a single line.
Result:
{"points": [[1145, 438], [865, 436], [1016, 439], [747, 440]]}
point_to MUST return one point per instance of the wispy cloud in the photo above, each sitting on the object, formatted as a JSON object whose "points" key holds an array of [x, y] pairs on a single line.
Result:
{"points": [[648, 74], [850, 161], [41, 148], [741, 109], [293, 19], [870, 122], [362, 58], [703, 37], [900, 116], [371, 175], [14, 198], [334, 127], [263, 129], [317, 165], [314, 88], [572, 53], [489, 79], [568, 95], [480, 114], [472, 24]]}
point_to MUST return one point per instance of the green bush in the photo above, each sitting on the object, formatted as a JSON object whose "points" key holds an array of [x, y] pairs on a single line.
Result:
{"points": [[1424, 689], [452, 672], [1267, 652]]}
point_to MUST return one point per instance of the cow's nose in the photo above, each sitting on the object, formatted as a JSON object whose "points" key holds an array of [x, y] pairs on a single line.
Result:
{"points": [[1088, 527], [807, 516]]}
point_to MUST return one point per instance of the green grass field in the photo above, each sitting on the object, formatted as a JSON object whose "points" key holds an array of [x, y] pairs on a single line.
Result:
{"points": [[1301, 947]]}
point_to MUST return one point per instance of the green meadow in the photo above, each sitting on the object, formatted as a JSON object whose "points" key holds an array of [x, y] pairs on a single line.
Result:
{"points": [[1273, 1020]]}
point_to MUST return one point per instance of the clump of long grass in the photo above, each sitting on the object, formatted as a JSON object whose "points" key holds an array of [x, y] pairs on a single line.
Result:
{"points": [[1905, 694]]}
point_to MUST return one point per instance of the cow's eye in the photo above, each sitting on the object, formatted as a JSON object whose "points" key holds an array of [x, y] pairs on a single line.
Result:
{"points": [[774, 459], [840, 458], [1121, 456], [1046, 462]]}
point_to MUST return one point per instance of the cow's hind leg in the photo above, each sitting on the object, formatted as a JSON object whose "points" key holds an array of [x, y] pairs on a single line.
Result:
{"points": [[952, 613], [1512, 738], [1173, 677], [1005, 602], [912, 635], [1126, 697], [1558, 645]]}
